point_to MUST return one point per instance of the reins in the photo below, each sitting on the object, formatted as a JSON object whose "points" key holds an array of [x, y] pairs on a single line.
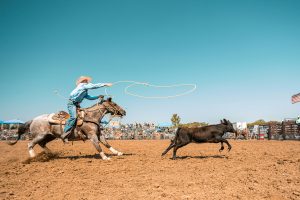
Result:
{"points": [[98, 107]]}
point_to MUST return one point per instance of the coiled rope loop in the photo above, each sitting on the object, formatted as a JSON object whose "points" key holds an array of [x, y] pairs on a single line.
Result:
{"points": [[134, 83]]}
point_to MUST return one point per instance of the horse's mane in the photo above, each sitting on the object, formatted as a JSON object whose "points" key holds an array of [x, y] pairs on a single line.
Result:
{"points": [[96, 104]]}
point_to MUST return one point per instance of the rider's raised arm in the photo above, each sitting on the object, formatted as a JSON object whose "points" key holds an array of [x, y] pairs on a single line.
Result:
{"points": [[94, 86], [89, 97]]}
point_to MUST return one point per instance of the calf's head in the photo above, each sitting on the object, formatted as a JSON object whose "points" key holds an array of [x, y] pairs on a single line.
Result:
{"points": [[229, 126]]}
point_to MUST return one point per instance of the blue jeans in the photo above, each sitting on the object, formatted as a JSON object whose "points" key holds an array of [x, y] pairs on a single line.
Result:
{"points": [[71, 121]]}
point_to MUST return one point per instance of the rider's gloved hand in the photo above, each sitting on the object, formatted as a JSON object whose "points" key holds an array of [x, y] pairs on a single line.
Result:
{"points": [[101, 97]]}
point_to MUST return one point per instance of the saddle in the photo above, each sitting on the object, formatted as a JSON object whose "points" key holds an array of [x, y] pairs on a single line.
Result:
{"points": [[61, 117]]}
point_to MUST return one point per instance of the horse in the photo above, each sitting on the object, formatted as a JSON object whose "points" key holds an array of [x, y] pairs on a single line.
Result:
{"points": [[43, 131]]}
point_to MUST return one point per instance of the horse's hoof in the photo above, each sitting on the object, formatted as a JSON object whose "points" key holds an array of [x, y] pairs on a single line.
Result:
{"points": [[32, 153], [106, 158], [119, 154], [65, 141]]}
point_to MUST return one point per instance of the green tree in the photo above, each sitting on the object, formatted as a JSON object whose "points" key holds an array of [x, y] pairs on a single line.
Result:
{"points": [[194, 124], [259, 122], [175, 120]]}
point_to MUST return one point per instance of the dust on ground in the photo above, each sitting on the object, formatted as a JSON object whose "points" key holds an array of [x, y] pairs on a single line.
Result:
{"points": [[252, 170]]}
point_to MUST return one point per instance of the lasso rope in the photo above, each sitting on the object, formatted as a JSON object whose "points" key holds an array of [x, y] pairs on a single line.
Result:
{"points": [[126, 90], [134, 83], [56, 92]]}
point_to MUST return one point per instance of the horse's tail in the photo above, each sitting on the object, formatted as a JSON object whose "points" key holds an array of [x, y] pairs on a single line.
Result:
{"points": [[173, 142], [23, 128]]}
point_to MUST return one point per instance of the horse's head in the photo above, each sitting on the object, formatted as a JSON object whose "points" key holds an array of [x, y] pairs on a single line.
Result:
{"points": [[229, 126], [113, 108]]}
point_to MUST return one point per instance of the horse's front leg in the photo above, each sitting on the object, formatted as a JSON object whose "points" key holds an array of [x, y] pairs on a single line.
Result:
{"points": [[95, 142], [105, 143]]}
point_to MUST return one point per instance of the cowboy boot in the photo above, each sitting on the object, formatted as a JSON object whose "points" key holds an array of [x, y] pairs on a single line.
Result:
{"points": [[65, 135]]}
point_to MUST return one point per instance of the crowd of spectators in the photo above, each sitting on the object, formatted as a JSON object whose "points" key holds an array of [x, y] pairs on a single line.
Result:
{"points": [[136, 131], [8, 134]]}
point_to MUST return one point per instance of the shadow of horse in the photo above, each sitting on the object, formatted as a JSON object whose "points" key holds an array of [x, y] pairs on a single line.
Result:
{"points": [[95, 156], [47, 156], [202, 157]]}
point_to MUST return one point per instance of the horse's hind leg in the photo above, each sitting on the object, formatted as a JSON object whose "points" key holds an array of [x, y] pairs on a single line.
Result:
{"points": [[95, 142], [39, 138], [48, 138], [105, 143]]}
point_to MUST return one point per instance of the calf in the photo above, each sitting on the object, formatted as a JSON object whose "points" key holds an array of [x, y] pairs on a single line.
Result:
{"points": [[211, 134]]}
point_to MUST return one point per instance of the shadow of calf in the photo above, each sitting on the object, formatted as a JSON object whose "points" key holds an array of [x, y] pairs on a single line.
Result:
{"points": [[202, 157]]}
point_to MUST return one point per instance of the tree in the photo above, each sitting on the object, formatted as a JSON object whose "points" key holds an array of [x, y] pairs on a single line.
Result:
{"points": [[259, 122], [175, 120], [194, 124]]}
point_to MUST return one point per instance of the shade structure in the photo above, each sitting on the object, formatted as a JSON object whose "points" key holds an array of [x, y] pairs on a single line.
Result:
{"points": [[13, 121], [164, 124]]}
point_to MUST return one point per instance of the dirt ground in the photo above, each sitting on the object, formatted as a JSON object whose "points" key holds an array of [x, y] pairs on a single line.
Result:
{"points": [[252, 170]]}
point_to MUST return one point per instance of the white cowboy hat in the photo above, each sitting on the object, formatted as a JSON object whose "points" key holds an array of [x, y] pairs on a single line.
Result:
{"points": [[83, 78]]}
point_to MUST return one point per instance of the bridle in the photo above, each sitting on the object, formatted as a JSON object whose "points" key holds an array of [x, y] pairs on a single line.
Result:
{"points": [[107, 106]]}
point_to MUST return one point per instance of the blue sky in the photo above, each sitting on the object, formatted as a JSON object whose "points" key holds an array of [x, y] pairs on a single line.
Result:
{"points": [[243, 56]]}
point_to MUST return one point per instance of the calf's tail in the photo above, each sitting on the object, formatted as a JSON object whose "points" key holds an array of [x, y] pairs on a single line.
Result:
{"points": [[173, 143], [23, 128]]}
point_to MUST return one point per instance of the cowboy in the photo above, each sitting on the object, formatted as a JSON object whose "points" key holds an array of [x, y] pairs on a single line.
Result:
{"points": [[76, 97]]}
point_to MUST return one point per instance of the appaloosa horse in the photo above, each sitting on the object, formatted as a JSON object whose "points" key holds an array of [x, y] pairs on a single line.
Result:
{"points": [[43, 131]]}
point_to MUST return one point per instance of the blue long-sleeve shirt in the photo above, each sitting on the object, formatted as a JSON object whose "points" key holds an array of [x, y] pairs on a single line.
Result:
{"points": [[81, 91]]}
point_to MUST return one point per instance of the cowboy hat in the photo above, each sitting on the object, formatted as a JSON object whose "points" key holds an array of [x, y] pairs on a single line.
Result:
{"points": [[83, 78]]}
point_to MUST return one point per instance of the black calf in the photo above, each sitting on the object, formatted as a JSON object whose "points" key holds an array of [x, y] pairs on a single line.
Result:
{"points": [[211, 134]]}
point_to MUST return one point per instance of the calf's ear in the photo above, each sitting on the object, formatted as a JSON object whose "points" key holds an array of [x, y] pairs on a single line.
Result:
{"points": [[225, 121]]}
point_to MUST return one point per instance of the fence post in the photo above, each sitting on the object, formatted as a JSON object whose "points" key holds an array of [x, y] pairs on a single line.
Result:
{"points": [[283, 130]]}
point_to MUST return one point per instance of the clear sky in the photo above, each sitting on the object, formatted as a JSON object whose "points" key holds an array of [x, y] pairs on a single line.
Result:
{"points": [[244, 56]]}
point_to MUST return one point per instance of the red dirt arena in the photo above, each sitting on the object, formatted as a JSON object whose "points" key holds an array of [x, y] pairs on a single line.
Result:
{"points": [[252, 170]]}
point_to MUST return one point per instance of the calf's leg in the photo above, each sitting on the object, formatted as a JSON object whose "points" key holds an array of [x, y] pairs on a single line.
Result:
{"points": [[177, 146], [222, 140], [225, 141], [222, 147], [169, 147]]}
